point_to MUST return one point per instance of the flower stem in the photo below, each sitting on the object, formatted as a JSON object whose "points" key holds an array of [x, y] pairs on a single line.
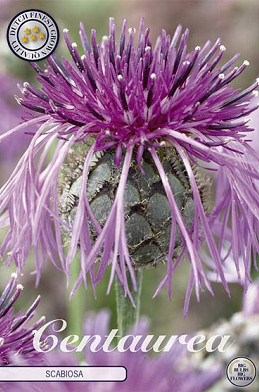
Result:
{"points": [[77, 305], [127, 314]]}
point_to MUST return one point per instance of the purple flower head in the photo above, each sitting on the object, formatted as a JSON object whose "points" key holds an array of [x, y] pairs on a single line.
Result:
{"points": [[16, 340], [132, 102], [168, 371]]}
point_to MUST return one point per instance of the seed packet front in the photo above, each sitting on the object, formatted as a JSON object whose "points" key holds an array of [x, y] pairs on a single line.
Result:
{"points": [[129, 210]]}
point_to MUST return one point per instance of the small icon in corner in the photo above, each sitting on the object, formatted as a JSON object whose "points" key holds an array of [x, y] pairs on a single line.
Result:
{"points": [[241, 371], [32, 35]]}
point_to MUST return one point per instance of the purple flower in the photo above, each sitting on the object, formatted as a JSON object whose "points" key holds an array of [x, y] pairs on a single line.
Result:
{"points": [[16, 338], [170, 371], [16, 341], [135, 102]]}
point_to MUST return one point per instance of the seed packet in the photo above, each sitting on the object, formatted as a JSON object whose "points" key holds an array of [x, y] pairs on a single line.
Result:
{"points": [[129, 210]]}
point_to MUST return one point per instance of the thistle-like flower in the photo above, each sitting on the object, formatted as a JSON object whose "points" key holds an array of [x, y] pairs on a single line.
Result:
{"points": [[170, 371], [16, 340], [131, 124]]}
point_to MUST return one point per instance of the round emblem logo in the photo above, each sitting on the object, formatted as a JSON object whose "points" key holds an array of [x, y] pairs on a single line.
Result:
{"points": [[241, 371], [32, 35]]}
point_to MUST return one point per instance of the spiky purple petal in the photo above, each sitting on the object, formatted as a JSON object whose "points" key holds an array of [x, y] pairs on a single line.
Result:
{"points": [[16, 339]]}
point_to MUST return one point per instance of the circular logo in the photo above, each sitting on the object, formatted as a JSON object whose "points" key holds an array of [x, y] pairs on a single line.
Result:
{"points": [[241, 371], [32, 35]]}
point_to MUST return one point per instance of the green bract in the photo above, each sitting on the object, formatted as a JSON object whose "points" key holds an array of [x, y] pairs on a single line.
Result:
{"points": [[147, 211]]}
